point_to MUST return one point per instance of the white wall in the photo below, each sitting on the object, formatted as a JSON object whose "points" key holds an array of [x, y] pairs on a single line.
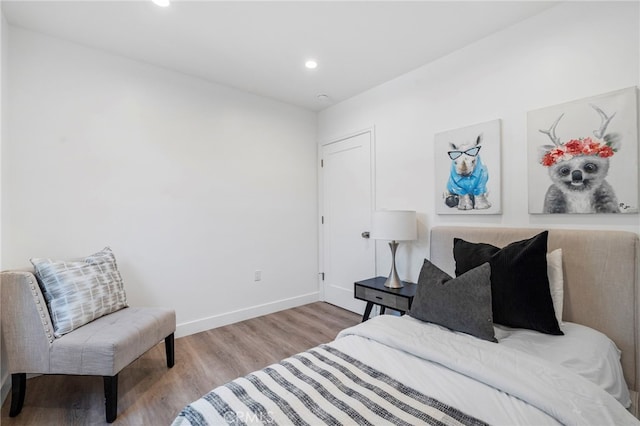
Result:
{"points": [[4, 39], [572, 51], [193, 185]]}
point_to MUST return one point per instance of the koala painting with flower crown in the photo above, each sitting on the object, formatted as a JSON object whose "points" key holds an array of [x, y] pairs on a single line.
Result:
{"points": [[578, 169]]}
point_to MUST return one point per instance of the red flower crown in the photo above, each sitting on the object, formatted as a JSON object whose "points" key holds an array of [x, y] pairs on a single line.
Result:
{"points": [[576, 147]]}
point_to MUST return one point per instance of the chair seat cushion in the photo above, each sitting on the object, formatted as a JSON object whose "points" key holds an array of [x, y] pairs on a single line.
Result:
{"points": [[106, 345]]}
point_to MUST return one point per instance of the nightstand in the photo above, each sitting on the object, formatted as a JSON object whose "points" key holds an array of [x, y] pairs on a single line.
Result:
{"points": [[374, 292]]}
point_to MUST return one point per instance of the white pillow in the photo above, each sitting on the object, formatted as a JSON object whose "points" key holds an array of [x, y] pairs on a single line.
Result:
{"points": [[556, 281]]}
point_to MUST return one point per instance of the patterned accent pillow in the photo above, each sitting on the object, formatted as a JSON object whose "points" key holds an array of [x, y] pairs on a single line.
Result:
{"points": [[81, 290]]}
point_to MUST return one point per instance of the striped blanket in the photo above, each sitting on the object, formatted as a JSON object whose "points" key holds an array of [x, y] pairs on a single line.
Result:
{"points": [[319, 386]]}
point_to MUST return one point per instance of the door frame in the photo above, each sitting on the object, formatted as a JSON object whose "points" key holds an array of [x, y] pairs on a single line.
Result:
{"points": [[372, 179]]}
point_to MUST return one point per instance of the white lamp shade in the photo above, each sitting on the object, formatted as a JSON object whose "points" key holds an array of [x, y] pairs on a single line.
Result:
{"points": [[394, 225]]}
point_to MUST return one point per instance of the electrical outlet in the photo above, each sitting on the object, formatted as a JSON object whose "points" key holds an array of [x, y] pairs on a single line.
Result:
{"points": [[257, 275]]}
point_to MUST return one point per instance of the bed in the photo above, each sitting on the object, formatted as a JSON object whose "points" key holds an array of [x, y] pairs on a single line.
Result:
{"points": [[446, 363]]}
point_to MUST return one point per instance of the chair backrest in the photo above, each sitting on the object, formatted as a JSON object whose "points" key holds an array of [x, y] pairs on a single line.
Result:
{"points": [[27, 331]]}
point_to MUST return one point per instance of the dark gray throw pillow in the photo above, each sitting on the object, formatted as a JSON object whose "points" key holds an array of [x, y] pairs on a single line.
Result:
{"points": [[520, 293], [460, 304]]}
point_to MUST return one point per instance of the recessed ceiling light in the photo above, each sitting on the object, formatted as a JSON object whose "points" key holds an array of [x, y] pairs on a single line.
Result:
{"points": [[311, 64], [162, 3], [323, 98]]}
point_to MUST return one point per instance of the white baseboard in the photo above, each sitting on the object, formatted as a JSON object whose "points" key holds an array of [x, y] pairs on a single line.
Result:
{"points": [[6, 385], [208, 323], [192, 327]]}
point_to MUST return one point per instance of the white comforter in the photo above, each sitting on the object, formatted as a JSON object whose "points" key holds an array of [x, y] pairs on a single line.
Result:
{"points": [[490, 381]]}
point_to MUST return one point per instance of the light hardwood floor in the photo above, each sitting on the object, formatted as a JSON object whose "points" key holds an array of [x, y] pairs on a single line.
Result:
{"points": [[151, 394]]}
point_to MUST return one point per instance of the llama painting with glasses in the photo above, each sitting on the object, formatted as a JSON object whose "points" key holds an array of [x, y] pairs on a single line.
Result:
{"points": [[468, 169], [583, 156]]}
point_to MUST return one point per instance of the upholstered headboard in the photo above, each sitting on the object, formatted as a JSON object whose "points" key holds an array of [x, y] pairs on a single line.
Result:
{"points": [[600, 279]]}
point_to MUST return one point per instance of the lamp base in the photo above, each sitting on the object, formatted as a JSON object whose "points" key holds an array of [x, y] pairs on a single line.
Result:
{"points": [[393, 283], [394, 280]]}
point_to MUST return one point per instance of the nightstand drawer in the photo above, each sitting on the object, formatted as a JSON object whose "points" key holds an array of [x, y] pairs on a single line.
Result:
{"points": [[381, 298]]}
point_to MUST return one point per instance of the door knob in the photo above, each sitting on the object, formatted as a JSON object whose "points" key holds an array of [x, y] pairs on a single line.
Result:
{"points": [[365, 234]]}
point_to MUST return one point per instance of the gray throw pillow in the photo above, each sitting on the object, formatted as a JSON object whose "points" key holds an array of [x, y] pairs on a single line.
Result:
{"points": [[460, 304], [81, 290]]}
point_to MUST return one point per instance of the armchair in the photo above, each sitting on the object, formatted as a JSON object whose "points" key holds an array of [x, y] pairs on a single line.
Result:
{"points": [[103, 347]]}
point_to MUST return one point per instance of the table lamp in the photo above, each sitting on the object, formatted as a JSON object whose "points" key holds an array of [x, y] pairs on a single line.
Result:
{"points": [[394, 225]]}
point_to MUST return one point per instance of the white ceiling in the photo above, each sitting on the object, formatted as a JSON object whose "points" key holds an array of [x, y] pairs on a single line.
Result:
{"points": [[261, 46]]}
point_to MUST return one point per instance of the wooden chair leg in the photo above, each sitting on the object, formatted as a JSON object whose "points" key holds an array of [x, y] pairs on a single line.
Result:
{"points": [[170, 350], [18, 390], [111, 397]]}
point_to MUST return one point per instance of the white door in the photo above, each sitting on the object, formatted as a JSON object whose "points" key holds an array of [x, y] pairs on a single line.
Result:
{"points": [[346, 203]]}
